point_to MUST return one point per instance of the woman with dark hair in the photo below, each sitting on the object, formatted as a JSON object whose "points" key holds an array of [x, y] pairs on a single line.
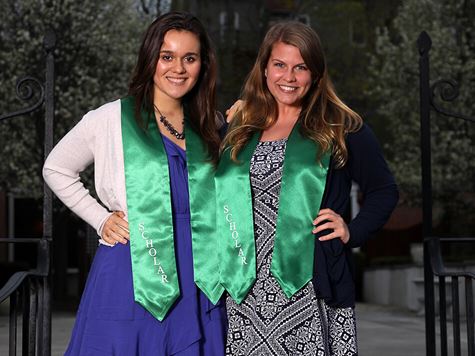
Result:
{"points": [[291, 152], [152, 289]]}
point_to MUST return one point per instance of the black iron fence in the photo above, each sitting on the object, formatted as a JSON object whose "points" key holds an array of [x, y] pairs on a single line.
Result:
{"points": [[29, 291], [435, 270]]}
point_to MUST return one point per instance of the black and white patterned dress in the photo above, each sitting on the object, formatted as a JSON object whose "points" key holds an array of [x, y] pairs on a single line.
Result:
{"points": [[267, 322]]}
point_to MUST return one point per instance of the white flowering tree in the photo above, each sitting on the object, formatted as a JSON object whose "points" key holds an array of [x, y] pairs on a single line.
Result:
{"points": [[96, 49], [394, 90]]}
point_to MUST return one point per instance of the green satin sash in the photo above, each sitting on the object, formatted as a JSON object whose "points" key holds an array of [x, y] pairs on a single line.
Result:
{"points": [[203, 216], [149, 213], [302, 187]]}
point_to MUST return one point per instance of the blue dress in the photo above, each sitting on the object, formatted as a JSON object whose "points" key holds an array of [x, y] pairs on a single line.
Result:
{"points": [[110, 322]]}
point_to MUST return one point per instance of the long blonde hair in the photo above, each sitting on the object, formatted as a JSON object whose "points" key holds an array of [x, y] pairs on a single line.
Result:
{"points": [[324, 117]]}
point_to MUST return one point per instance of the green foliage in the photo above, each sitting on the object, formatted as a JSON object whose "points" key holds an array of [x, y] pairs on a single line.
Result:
{"points": [[344, 30], [96, 48], [395, 91]]}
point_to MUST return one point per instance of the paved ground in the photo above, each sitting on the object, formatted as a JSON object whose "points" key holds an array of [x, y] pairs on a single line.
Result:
{"points": [[382, 331], [386, 331]]}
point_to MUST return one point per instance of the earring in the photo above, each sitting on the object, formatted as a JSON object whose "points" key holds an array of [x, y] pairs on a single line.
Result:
{"points": [[265, 72]]}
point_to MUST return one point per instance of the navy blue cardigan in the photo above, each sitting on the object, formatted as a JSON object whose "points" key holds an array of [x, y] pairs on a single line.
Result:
{"points": [[333, 277]]}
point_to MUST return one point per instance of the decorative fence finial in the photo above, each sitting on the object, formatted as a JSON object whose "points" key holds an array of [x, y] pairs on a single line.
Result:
{"points": [[49, 41], [424, 43]]}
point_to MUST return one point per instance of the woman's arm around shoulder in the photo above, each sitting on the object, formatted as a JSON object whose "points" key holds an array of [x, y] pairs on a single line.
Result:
{"points": [[368, 168]]}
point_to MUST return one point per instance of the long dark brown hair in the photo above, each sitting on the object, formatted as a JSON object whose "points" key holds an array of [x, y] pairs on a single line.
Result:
{"points": [[200, 102], [324, 117]]}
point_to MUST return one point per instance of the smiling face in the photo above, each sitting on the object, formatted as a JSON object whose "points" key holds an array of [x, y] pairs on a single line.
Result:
{"points": [[178, 66], [287, 76]]}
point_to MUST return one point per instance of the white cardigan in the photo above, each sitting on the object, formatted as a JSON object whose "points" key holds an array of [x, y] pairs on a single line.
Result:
{"points": [[96, 138]]}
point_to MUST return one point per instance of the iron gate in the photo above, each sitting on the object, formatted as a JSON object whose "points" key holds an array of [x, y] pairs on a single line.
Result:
{"points": [[434, 267], [29, 291]]}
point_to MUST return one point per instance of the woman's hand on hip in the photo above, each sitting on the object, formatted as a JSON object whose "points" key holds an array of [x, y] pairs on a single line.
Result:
{"points": [[327, 219], [116, 229]]}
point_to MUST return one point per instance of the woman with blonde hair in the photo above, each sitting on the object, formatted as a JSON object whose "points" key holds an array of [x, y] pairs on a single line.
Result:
{"points": [[283, 186]]}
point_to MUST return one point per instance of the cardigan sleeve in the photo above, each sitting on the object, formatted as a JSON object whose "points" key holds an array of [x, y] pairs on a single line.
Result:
{"points": [[368, 168], [72, 155]]}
